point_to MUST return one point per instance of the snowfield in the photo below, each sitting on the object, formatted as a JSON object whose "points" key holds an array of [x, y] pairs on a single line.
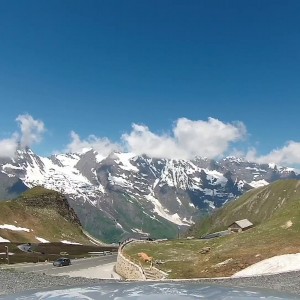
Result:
{"points": [[273, 265]]}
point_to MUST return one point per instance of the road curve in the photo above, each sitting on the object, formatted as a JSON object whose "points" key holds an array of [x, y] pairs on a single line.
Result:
{"points": [[91, 266]]}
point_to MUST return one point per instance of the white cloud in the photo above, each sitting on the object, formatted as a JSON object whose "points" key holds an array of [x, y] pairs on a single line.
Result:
{"points": [[102, 145], [287, 155], [189, 139], [31, 130], [9, 146], [30, 133], [212, 138]]}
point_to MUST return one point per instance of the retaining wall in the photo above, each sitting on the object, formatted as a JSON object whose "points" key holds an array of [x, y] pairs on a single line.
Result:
{"points": [[129, 270], [126, 268]]}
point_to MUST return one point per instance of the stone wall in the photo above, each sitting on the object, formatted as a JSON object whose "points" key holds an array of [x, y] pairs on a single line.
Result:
{"points": [[129, 270], [126, 268], [159, 273]]}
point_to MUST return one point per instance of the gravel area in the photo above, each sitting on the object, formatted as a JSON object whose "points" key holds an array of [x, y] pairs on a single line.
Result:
{"points": [[14, 282], [284, 282]]}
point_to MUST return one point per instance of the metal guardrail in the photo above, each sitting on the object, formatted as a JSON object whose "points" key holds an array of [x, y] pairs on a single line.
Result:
{"points": [[98, 253]]}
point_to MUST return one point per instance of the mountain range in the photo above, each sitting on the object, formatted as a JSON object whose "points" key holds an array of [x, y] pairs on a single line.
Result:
{"points": [[125, 195]]}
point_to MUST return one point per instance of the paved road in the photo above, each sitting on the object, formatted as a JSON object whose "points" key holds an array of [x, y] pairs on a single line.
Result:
{"points": [[16, 282], [78, 266]]}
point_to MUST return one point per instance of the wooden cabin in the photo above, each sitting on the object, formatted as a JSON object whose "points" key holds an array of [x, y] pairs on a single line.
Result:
{"points": [[239, 226]]}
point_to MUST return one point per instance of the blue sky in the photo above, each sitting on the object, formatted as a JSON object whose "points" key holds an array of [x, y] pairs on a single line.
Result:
{"points": [[97, 67]]}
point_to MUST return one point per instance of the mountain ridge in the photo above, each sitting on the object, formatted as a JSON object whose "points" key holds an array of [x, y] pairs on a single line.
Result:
{"points": [[40, 215], [158, 195]]}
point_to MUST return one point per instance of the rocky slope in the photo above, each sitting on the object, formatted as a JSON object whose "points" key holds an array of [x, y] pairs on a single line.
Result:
{"points": [[123, 195], [40, 215]]}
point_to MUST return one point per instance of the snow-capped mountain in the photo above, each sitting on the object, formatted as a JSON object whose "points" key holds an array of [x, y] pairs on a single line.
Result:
{"points": [[123, 194]]}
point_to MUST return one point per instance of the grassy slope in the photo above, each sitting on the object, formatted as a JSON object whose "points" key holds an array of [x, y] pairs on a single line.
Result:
{"points": [[258, 205], [43, 222], [271, 208], [37, 192]]}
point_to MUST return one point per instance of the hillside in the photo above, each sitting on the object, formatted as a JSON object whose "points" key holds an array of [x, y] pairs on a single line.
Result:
{"points": [[40, 215], [11, 187], [275, 211], [268, 203]]}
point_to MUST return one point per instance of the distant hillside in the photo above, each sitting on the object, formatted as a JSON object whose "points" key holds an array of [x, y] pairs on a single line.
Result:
{"points": [[274, 210], [40, 215], [274, 202], [10, 186]]}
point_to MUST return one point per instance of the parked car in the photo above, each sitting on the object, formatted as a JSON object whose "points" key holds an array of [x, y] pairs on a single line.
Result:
{"points": [[147, 239], [62, 262]]}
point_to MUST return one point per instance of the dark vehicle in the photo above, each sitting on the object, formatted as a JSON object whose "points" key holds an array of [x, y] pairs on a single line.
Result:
{"points": [[147, 239], [62, 262]]}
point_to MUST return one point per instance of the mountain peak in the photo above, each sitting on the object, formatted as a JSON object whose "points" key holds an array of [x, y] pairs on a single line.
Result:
{"points": [[236, 159], [24, 150]]}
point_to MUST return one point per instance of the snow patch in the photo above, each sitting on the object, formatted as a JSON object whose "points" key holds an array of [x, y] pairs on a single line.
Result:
{"points": [[85, 150], [68, 160], [211, 204], [258, 183], [155, 183], [14, 228], [2, 240], [136, 230], [161, 211], [174, 175], [10, 166], [41, 240], [197, 179], [63, 178], [178, 200], [119, 181], [68, 242], [124, 161], [99, 157], [119, 225], [215, 177], [273, 265]]}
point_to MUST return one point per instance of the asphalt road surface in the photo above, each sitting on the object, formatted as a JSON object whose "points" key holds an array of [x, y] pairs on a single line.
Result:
{"points": [[80, 267]]}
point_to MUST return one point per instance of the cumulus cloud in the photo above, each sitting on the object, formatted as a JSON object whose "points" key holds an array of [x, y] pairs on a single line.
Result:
{"points": [[287, 155], [102, 145], [212, 138], [188, 139], [9, 146], [30, 132]]}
